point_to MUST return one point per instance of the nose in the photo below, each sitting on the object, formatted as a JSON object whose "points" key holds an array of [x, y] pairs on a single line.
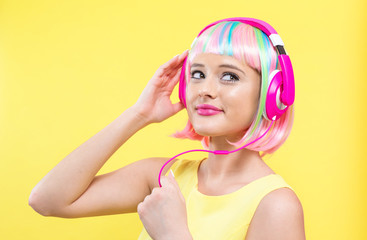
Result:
{"points": [[208, 88]]}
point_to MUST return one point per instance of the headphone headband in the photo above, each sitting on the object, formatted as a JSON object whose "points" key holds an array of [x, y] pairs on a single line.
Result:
{"points": [[263, 26]]}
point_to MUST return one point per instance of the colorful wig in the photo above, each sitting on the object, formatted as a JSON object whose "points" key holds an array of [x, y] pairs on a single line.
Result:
{"points": [[251, 46]]}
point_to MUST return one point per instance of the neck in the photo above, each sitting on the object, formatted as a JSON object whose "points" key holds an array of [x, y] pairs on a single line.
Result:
{"points": [[220, 168]]}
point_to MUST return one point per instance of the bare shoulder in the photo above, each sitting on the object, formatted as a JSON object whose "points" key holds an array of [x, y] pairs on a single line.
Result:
{"points": [[278, 216], [154, 167]]}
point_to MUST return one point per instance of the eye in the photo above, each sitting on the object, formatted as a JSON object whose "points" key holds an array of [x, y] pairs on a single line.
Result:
{"points": [[230, 77], [197, 75]]}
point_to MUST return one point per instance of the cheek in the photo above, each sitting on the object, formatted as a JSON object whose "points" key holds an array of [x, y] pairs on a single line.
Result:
{"points": [[189, 99], [191, 89], [190, 94], [244, 100]]}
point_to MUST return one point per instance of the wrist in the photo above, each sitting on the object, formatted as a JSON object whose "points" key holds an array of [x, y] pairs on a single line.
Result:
{"points": [[141, 117]]}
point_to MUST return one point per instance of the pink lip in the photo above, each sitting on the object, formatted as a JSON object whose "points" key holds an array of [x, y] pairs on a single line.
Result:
{"points": [[207, 110]]}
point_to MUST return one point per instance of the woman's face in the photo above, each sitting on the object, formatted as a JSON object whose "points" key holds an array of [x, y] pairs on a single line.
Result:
{"points": [[222, 95]]}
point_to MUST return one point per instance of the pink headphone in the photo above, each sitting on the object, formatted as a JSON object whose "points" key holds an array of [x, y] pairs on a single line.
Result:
{"points": [[281, 88]]}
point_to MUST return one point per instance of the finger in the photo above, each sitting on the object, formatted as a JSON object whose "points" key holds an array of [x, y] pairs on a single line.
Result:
{"points": [[164, 181], [182, 57], [169, 62], [173, 175], [174, 79], [178, 107], [154, 191], [178, 72], [168, 69], [173, 180], [172, 65], [171, 70], [172, 73], [184, 54], [177, 60], [175, 184], [168, 181], [139, 208], [172, 62]]}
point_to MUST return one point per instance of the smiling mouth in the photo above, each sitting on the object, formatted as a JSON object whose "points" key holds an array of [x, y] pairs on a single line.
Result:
{"points": [[207, 110]]}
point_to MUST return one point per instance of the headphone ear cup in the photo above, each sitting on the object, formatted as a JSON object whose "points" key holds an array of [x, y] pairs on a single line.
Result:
{"points": [[182, 84], [274, 107]]}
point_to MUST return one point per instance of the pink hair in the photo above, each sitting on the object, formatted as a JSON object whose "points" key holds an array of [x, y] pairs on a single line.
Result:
{"points": [[251, 46]]}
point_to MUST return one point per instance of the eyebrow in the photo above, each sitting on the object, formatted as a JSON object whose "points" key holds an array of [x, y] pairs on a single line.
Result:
{"points": [[223, 65]]}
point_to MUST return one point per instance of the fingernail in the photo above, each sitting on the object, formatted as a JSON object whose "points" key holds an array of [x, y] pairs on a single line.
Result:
{"points": [[172, 173]]}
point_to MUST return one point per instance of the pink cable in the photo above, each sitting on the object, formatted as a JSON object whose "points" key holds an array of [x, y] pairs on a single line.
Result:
{"points": [[215, 152]]}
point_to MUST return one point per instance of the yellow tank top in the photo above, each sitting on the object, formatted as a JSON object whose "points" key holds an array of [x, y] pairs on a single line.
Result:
{"points": [[223, 217]]}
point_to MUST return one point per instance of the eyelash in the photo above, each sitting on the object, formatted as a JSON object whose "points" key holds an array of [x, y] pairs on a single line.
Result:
{"points": [[236, 78]]}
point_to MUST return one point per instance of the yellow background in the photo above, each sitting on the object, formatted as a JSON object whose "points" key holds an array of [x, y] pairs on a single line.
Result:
{"points": [[69, 68]]}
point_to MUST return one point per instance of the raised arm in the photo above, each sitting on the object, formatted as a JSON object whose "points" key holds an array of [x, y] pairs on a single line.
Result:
{"points": [[72, 189]]}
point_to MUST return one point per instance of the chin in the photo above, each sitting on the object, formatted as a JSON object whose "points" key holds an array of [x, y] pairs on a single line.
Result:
{"points": [[207, 130], [217, 131]]}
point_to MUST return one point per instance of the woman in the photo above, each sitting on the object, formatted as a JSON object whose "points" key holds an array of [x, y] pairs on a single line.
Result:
{"points": [[231, 194]]}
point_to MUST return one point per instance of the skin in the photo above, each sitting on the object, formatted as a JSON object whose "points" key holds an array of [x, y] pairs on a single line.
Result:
{"points": [[234, 89], [163, 212], [236, 92], [72, 189], [279, 215]]}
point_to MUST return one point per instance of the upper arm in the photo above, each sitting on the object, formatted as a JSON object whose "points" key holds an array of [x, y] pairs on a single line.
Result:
{"points": [[116, 192], [278, 216]]}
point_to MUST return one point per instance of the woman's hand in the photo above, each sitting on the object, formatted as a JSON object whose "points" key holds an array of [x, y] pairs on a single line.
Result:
{"points": [[154, 104], [163, 212]]}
